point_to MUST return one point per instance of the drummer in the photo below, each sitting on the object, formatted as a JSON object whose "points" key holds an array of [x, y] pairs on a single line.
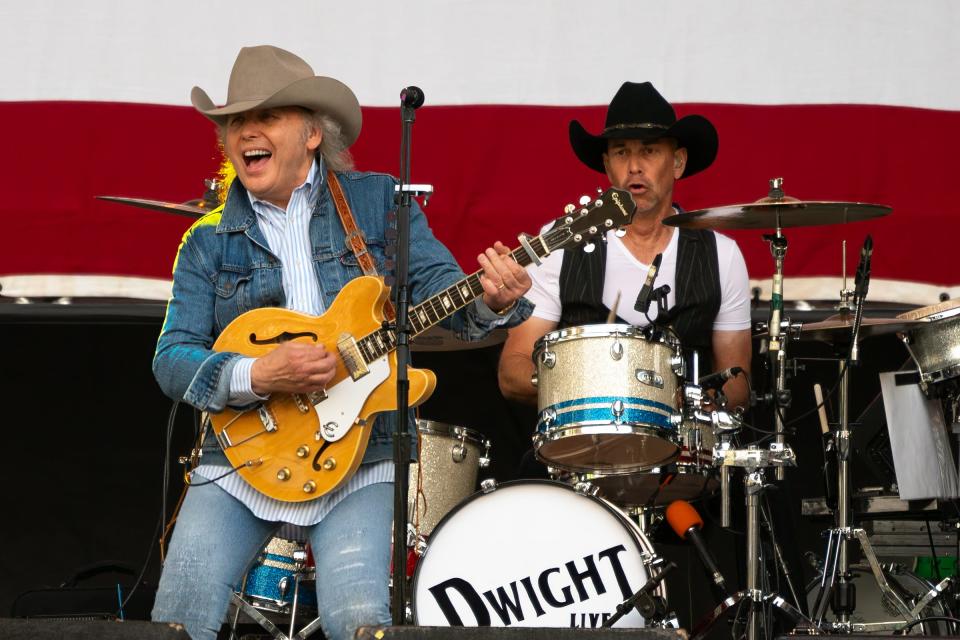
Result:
{"points": [[644, 149]]}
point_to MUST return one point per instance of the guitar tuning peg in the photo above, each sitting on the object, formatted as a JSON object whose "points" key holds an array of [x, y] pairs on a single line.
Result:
{"points": [[598, 203], [622, 231], [585, 200], [599, 191], [569, 209], [589, 247]]}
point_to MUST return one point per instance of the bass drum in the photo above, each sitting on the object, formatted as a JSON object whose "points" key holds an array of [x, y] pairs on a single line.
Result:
{"points": [[872, 605], [530, 553]]}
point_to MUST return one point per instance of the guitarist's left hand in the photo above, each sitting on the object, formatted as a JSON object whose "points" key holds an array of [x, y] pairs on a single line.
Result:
{"points": [[504, 281]]}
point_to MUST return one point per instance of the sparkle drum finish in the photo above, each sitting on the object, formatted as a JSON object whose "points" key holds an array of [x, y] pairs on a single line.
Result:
{"points": [[450, 457], [531, 553], [608, 398], [935, 344], [270, 583]]}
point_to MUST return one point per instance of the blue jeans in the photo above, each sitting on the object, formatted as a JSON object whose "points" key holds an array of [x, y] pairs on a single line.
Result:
{"points": [[217, 538]]}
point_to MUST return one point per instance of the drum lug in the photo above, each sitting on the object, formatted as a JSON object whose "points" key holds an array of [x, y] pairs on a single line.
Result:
{"points": [[676, 419], [649, 378], [616, 350], [549, 416], [676, 363], [484, 460], [458, 452], [617, 409], [535, 380], [488, 485], [548, 359]]}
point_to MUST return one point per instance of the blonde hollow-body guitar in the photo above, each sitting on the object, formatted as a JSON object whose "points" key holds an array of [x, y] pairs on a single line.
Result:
{"points": [[297, 447]]}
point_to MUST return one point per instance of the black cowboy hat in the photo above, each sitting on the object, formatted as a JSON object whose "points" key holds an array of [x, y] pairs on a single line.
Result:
{"points": [[639, 112]]}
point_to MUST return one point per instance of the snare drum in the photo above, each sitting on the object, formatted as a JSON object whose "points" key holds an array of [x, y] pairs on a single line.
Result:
{"points": [[531, 553], [935, 345], [607, 398], [270, 583], [451, 457], [691, 477]]}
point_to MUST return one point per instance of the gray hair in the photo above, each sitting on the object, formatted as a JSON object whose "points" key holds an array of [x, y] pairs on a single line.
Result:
{"points": [[333, 148]]}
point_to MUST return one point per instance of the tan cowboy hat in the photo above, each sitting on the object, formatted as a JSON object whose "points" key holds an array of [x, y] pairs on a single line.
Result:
{"points": [[267, 76]]}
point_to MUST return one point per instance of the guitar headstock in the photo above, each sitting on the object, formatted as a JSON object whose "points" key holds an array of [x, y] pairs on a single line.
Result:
{"points": [[612, 209]]}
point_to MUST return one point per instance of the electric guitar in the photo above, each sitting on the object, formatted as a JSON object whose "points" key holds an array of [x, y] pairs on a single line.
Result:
{"points": [[297, 447]]}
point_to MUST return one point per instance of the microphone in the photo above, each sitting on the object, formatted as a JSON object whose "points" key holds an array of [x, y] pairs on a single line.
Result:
{"points": [[718, 378], [412, 97], [643, 300], [686, 523]]}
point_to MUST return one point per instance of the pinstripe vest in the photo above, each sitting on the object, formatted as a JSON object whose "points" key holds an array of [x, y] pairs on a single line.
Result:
{"points": [[697, 294]]}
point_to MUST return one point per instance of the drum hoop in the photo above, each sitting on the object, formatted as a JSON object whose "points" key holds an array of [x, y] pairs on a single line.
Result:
{"points": [[597, 416], [641, 542], [432, 427], [604, 331]]}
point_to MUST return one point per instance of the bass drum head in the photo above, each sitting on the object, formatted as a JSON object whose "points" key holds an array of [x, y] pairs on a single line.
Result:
{"points": [[531, 553]]}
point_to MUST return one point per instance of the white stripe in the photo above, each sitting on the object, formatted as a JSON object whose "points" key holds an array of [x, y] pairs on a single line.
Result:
{"points": [[553, 52], [299, 513]]}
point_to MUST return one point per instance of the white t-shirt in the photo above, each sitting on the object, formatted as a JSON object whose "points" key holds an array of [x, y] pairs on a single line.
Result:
{"points": [[625, 274]]}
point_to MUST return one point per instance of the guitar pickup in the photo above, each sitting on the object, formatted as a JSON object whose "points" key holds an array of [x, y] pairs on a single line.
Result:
{"points": [[352, 357], [305, 402]]}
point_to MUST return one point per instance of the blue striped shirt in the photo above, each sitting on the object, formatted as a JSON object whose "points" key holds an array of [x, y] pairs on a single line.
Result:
{"points": [[287, 234]]}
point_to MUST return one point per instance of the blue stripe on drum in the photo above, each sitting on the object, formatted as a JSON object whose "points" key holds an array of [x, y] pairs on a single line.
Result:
{"points": [[568, 413], [610, 400]]}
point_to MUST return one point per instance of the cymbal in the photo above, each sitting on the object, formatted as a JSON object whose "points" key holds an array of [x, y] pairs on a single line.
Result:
{"points": [[439, 339], [838, 328], [764, 215], [188, 209]]}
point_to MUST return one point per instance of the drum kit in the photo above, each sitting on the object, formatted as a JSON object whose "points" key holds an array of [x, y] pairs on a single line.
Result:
{"points": [[627, 426]]}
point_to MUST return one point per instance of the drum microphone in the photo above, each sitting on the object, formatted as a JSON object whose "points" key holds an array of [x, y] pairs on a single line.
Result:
{"points": [[686, 523], [717, 379], [643, 300], [412, 97]]}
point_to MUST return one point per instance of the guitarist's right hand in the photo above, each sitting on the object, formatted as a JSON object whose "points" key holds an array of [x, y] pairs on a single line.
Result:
{"points": [[293, 367]]}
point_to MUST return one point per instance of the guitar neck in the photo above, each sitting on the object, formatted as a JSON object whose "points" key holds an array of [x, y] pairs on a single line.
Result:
{"points": [[442, 305]]}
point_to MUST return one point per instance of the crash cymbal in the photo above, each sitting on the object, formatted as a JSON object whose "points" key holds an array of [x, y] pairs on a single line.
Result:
{"points": [[765, 215], [837, 329], [187, 209]]}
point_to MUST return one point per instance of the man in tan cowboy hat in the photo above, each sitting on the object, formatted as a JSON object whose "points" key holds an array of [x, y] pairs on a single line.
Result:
{"points": [[279, 242], [644, 149]]}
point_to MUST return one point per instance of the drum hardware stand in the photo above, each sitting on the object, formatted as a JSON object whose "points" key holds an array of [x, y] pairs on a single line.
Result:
{"points": [[652, 607], [753, 460], [300, 560], [776, 346]]}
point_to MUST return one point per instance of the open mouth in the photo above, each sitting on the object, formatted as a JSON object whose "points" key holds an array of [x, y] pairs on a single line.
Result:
{"points": [[637, 187], [256, 158]]}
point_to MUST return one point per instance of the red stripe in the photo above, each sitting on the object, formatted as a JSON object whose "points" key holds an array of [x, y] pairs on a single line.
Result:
{"points": [[498, 170]]}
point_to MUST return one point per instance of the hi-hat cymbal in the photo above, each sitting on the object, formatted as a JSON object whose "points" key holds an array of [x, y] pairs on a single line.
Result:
{"points": [[766, 215], [187, 209], [837, 329]]}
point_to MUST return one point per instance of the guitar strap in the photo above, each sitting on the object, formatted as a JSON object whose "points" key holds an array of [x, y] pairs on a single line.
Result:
{"points": [[354, 239]]}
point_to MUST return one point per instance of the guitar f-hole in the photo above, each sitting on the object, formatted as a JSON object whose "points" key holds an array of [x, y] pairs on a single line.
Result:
{"points": [[317, 466], [286, 336]]}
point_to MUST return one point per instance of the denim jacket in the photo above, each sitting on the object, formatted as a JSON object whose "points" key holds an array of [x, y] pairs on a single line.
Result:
{"points": [[225, 268]]}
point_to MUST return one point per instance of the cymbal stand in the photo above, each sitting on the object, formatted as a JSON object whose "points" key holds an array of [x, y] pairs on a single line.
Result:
{"points": [[754, 461], [776, 344], [836, 581]]}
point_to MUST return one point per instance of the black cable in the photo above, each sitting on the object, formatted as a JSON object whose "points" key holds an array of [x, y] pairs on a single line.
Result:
{"points": [[933, 552], [914, 623], [833, 389], [161, 521]]}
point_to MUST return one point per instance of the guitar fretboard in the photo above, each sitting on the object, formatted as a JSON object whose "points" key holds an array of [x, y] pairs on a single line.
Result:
{"points": [[444, 304]]}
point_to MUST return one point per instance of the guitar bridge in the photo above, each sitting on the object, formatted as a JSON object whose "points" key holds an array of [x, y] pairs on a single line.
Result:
{"points": [[352, 358], [266, 417]]}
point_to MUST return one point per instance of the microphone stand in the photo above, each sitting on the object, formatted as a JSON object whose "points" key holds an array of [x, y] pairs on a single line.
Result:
{"points": [[411, 99]]}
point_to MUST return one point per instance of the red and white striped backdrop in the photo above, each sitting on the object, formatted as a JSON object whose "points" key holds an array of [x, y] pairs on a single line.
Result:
{"points": [[856, 100]]}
